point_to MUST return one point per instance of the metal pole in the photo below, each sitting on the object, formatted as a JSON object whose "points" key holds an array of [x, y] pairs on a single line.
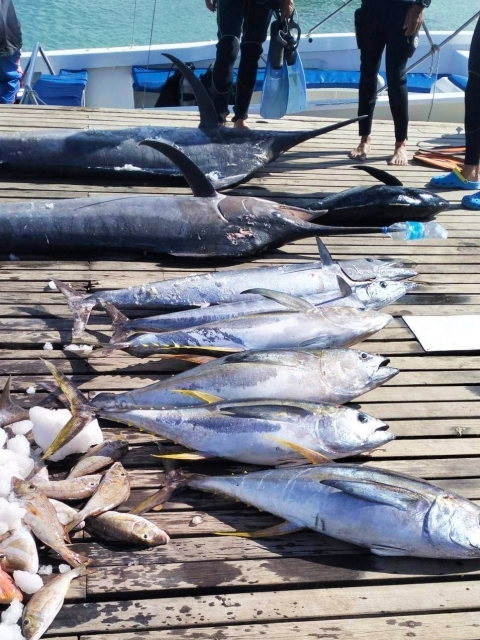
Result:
{"points": [[436, 47], [30, 69], [46, 60], [328, 17]]}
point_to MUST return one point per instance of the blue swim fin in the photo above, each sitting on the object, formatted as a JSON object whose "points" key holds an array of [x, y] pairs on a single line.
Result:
{"points": [[297, 87], [275, 86]]}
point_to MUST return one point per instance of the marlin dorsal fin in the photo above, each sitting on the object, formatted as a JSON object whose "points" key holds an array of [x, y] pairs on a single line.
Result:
{"points": [[199, 183], [379, 174], [208, 113]]}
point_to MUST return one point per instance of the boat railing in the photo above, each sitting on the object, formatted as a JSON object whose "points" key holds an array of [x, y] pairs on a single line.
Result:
{"points": [[29, 94]]}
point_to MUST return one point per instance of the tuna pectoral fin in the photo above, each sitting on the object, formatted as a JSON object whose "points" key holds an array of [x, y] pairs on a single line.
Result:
{"points": [[379, 174], [281, 529], [77, 304], [345, 288], [312, 456], [82, 412], [283, 412], [209, 398], [324, 253], [285, 299], [376, 492]]}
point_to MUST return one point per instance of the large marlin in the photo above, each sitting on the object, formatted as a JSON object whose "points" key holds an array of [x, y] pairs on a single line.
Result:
{"points": [[228, 156]]}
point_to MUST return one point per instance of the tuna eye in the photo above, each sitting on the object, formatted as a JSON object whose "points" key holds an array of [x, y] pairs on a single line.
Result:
{"points": [[145, 536], [364, 356], [383, 285], [362, 418]]}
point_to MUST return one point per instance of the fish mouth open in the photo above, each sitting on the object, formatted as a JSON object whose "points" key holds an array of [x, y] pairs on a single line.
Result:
{"points": [[384, 373]]}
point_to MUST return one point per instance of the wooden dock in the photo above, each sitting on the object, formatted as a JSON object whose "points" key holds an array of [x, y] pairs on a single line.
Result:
{"points": [[304, 585]]}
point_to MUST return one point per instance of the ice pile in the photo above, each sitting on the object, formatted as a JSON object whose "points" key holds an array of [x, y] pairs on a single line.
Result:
{"points": [[11, 514], [47, 424], [27, 582], [9, 629]]}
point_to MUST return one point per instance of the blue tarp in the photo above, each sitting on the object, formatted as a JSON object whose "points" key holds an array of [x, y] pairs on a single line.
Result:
{"points": [[65, 90], [154, 79]]}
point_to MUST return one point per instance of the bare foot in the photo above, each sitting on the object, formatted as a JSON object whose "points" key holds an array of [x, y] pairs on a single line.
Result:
{"points": [[240, 124], [400, 155], [361, 152], [471, 172]]}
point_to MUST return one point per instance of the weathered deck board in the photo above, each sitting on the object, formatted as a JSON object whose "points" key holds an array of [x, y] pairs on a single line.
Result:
{"points": [[304, 585]]}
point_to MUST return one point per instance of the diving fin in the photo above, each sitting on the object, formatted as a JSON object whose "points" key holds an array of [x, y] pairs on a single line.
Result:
{"points": [[206, 108], [297, 85], [380, 175], [274, 101]]}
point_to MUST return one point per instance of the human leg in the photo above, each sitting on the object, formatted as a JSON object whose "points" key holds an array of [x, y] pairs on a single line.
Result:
{"points": [[255, 29], [10, 77], [398, 50], [472, 111], [371, 42], [230, 15]]}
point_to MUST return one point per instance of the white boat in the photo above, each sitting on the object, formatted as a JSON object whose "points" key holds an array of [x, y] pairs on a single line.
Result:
{"points": [[435, 89]]}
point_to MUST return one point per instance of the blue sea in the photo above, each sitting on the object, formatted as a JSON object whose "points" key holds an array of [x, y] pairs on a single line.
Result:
{"points": [[78, 24]]}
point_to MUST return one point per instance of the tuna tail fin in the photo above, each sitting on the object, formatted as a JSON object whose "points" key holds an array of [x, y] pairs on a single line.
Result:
{"points": [[82, 412], [9, 411], [208, 113], [119, 321], [77, 304]]}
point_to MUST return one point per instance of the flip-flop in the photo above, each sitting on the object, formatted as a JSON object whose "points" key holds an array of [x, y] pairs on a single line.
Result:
{"points": [[472, 201], [454, 180], [446, 163]]}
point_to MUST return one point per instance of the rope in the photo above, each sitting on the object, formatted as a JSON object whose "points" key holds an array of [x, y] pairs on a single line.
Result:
{"points": [[149, 51], [134, 20], [434, 84]]}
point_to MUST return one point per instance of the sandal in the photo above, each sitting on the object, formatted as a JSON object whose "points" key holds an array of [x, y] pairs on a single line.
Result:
{"points": [[454, 180], [472, 201]]}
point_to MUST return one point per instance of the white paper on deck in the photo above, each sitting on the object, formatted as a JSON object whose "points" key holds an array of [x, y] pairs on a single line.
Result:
{"points": [[446, 333]]}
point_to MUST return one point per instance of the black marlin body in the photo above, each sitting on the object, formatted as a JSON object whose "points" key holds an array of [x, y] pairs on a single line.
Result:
{"points": [[226, 156], [208, 225]]}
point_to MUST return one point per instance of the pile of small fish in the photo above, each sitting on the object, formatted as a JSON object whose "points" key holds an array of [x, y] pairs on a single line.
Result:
{"points": [[36, 509]]}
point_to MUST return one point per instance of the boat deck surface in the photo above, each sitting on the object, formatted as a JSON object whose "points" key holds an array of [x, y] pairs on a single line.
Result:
{"points": [[305, 585]]}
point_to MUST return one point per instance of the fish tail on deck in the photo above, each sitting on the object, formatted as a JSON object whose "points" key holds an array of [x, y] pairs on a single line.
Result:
{"points": [[119, 322], [78, 305], [82, 412]]}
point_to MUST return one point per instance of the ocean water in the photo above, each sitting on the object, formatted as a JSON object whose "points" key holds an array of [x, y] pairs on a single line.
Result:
{"points": [[78, 24]]}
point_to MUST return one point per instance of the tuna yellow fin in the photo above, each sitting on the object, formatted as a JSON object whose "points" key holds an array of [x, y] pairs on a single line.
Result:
{"points": [[209, 398], [312, 456], [281, 529], [184, 456]]}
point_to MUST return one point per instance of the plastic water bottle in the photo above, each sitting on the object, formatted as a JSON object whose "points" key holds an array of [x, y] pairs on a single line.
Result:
{"points": [[415, 231]]}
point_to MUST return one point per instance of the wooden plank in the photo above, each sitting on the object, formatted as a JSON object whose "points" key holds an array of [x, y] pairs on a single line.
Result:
{"points": [[449, 626], [242, 608]]}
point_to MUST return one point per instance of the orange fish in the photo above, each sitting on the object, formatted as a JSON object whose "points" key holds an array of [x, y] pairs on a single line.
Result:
{"points": [[8, 589]]}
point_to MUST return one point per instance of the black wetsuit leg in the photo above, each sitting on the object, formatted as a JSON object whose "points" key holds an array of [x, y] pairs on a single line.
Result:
{"points": [[255, 29], [472, 102], [251, 17], [381, 27]]}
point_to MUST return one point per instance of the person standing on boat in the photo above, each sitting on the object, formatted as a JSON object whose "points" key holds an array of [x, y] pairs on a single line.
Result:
{"points": [[242, 26], [392, 25], [10, 46], [469, 177]]}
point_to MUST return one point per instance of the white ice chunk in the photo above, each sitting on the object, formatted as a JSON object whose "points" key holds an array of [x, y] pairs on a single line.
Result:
{"points": [[85, 348], [11, 632], [19, 444], [27, 582], [11, 514], [45, 570], [22, 427], [47, 423], [17, 464], [52, 286], [48, 346], [64, 568], [13, 613], [31, 390]]}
